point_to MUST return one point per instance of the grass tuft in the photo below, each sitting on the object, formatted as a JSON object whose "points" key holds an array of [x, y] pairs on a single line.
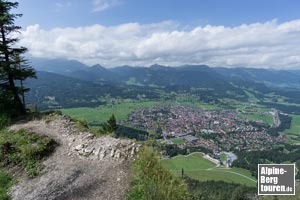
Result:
{"points": [[24, 149], [6, 181]]}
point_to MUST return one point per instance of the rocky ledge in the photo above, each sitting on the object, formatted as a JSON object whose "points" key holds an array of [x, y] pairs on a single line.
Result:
{"points": [[83, 166]]}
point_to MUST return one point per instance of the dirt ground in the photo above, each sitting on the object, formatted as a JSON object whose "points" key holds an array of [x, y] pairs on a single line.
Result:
{"points": [[82, 167]]}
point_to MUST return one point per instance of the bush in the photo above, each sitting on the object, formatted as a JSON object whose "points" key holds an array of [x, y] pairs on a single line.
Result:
{"points": [[81, 124], [52, 112], [4, 120], [150, 180]]}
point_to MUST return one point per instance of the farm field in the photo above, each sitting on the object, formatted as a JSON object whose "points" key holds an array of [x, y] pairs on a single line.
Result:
{"points": [[199, 168], [178, 141], [295, 126], [102, 113], [251, 96], [122, 109], [267, 119]]}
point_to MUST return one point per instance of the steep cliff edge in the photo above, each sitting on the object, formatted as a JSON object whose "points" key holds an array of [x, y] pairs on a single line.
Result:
{"points": [[83, 166]]}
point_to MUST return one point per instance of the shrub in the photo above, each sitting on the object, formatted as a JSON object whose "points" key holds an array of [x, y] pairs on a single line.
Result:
{"points": [[81, 124], [150, 180], [51, 112], [4, 120]]}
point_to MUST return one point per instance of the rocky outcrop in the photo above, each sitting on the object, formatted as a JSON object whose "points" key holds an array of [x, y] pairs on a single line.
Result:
{"points": [[82, 167], [105, 148]]}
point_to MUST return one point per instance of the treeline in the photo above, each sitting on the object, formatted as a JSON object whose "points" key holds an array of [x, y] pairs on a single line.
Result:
{"points": [[219, 190], [285, 123], [118, 130], [292, 94], [290, 109], [132, 133], [250, 160]]}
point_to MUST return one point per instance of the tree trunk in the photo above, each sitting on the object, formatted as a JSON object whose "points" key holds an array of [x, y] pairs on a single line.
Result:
{"points": [[17, 100]]}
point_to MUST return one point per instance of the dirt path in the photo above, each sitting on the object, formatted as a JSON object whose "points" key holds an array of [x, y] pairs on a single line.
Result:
{"points": [[242, 175], [82, 166]]}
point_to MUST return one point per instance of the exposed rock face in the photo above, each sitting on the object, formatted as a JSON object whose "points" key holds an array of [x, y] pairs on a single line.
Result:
{"points": [[82, 167]]}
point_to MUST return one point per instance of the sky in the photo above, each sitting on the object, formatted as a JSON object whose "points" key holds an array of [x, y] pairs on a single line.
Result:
{"points": [[227, 33]]}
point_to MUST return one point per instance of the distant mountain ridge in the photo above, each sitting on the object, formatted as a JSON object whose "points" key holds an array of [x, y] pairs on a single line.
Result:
{"points": [[260, 75], [191, 75], [69, 84], [58, 66]]}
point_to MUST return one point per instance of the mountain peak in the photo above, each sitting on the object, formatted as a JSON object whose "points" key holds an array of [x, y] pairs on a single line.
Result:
{"points": [[158, 67], [97, 68]]}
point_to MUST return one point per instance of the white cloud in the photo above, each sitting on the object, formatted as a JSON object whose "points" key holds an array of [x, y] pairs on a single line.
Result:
{"points": [[101, 5], [270, 44], [59, 6]]}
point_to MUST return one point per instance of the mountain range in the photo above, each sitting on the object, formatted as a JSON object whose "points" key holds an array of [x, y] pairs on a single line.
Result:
{"points": [[69, 83], [192, 75]]}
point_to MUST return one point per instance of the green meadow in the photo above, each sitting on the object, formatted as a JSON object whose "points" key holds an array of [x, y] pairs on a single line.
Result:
{"points": [[197, 167], [122, 109], [102, 113], [178, 141], [267, 119], [295, 126]]}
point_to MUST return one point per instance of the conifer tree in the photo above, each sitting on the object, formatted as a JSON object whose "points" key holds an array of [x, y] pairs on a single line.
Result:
{"points": [[112, 123], [13, 67]]}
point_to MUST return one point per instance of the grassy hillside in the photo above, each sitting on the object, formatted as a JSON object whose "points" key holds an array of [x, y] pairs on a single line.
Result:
{"points": [[197, 167]]}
